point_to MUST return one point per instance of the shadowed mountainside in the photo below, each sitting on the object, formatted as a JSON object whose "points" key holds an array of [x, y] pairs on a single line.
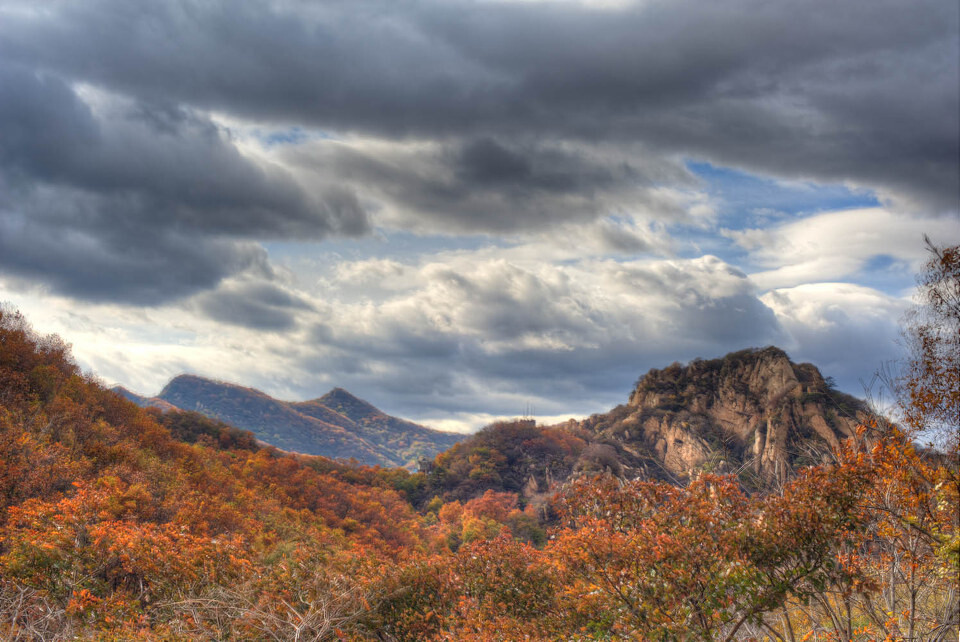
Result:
{"points": [[404, 438], [335, 425]]}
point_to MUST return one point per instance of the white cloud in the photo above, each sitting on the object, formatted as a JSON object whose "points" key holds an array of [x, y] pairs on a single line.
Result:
{"points": [[836, 245], [849, 331]]}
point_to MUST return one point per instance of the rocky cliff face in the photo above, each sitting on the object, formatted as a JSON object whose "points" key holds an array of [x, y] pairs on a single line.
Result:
{"points": [[753, 411]]}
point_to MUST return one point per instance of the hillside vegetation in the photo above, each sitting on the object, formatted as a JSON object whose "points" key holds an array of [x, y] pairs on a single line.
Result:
{"points": [[115, 521]]}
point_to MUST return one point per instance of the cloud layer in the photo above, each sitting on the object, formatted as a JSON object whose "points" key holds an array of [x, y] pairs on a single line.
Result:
{"points": [[453, 117], [459, 337], [855, 92]]}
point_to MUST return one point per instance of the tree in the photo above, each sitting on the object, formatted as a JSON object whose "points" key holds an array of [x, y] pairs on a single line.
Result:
{"points": [[652, 561], [910, 547], [915, 501], [929, 388]]}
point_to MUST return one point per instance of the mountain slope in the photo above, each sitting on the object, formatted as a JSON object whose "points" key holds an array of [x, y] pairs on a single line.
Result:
{"points": [[118, 523], [409, 440], [310, 427]]}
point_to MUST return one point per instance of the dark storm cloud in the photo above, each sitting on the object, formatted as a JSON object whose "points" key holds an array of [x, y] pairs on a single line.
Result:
{"points": [[145, 269], [864, 90], [486, 161], [175, 162], [485, 117], [142, 203], [533, 169], [488, 185], [258, 305]]}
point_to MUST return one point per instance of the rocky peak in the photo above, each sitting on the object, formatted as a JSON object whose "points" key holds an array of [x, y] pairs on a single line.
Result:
{"points": [[754, 410], [349, 405], [763, 375]]}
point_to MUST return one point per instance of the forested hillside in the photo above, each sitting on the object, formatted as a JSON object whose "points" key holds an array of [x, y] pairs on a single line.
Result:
{"points": [[124, 522], [121, 523]]}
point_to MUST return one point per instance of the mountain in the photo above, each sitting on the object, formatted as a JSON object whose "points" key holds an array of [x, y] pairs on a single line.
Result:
{"points": [[753, 413], [335, 425], [408, 440]]}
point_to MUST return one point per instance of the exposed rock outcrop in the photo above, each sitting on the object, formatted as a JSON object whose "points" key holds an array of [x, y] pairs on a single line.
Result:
{"points": [[753, 410]]}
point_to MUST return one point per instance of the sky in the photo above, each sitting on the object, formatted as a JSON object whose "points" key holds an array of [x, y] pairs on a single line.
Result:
{"points": [[461, 210]]}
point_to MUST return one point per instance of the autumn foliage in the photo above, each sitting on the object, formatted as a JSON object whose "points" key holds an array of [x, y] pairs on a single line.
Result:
{"points": [[111, 524], [121, 523]]}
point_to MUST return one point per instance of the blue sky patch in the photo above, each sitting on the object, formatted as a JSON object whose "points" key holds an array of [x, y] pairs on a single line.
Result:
{"points": [[745, 200]]}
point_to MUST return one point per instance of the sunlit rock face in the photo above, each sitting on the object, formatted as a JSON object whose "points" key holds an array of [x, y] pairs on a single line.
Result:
{"points": [[753, 412]]}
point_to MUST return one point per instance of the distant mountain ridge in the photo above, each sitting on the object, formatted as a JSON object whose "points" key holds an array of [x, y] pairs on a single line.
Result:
{"points": [[754, 413], [337, 425]]}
